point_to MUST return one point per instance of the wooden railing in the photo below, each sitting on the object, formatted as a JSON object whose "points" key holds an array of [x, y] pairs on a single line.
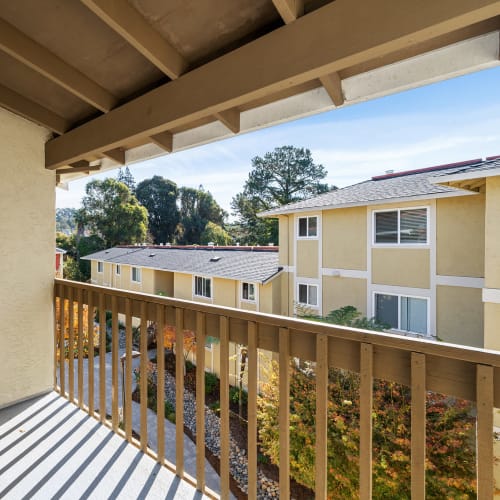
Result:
{"points": [[462, 372]]}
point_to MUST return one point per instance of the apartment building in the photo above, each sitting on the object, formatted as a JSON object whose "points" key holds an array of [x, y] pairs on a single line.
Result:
{"points": [[418, 250], [246, 278]]}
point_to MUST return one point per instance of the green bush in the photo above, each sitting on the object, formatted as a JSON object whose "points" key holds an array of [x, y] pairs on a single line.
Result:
{"points": [[211, 381], [190, 367], [234, 395], [169, 411]]}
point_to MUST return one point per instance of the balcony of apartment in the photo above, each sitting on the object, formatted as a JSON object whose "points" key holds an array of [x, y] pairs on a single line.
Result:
{"points": [[89, 438]]}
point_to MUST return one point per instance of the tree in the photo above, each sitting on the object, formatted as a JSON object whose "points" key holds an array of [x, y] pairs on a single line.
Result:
{"points": [[450, 461], [159, 196], [126, 177], [213, 233], [197, 208], [112, 212], [283, 176], [65, 220]]}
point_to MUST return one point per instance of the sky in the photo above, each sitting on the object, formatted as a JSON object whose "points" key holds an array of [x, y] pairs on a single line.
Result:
{"points": [[449, 121]]}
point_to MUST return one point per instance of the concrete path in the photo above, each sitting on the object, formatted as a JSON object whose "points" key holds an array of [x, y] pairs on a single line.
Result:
{"points": [[211, 477]]}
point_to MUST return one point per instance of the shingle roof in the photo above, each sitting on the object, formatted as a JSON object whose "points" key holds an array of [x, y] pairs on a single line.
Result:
{"points": [[254, 265], [393, 186]]}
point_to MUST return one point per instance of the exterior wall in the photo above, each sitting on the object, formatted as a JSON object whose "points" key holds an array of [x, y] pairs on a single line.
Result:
{"points": [[307, 258], [27, 224], [266, 298], [285, 240], [225, 292], [460, 236], [164, 283], [405, 267], [460, 315], [344, 238], [183, 286], [340, 292]]}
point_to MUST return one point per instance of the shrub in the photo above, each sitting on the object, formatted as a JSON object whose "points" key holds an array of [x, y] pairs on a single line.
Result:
{"points": [[169, 411], [234, 395], [211, 382]]}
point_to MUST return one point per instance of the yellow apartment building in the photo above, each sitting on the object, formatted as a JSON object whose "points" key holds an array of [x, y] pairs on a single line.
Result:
{"points": [[418, 250], [240, 277]]}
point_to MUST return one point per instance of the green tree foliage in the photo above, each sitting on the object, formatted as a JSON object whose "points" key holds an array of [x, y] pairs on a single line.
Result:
{"points": [[65, 220], [213, 233], [159, 196], [197, 208], [450, 466], [126, 177], [282, 176], [112, 212]]}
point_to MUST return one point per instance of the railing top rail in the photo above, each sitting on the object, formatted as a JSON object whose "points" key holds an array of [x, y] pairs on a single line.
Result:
{"points": [[387, 340]]}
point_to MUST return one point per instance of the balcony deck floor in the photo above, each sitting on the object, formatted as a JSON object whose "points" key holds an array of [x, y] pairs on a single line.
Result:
{"points": [[49, 448]]}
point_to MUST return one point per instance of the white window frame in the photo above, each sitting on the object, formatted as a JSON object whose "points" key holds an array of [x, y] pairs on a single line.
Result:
{"points": [[308, 285], [255, 291], [100, 266], [118, 270], [409, 296], [399, 244], [138, 273], [205, 279], [307, 237]]}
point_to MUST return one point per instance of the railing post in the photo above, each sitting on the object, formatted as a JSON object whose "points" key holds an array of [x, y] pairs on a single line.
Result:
{"points": [[57, 302], [71, 346], [179, 392], [284, 412], [80, 347], [143, 381], [224, 407], [127, 371], [62, 331], [365, 421], [102, 358], [200, 401], [160, 383], [484, 404], [321, 483], [90, 326], [418, 424], [114, 363], [252, 410]]}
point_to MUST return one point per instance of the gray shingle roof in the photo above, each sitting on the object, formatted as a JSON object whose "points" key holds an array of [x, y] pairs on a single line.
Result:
{"points": [[246, 265], [384, 188]]}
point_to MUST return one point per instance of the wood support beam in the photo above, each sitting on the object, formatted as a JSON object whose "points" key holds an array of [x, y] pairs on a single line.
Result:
{"points": [[165, 140], [271, 64], [129, 24], [333, 85], [230, 118], [117, 154], [83, 168], [32, 111], [289, 10], [24, 49]]}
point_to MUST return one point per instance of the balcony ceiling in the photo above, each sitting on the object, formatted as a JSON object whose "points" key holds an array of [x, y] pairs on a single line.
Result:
{"points": [[120, 81]]}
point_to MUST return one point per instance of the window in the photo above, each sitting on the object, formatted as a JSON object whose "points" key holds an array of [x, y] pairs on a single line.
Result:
{"points": [[118, 269], [100, 267], [409, 314], [401, 227], [248, 291], [308, 294], [203, 287], [136, 274], [308, 227]]}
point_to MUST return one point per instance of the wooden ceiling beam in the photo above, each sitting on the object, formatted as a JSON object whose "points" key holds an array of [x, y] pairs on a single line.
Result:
{"points": [[165, 140], [32, 111], [84, 168], [130, 25], [230, 118], [117, 154], [333, 85], [289, 10], [24, 49], [273, 63]]}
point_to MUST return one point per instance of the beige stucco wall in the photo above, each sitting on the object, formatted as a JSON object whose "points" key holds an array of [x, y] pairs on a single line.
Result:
{"points": [[27, 250], [344, 238], [225, 292], [460, 315], [266, 298], [286, 288], [340, 292], [307, 258], [285, 241], [492, 232], [409, 267], [460, 236], [164, 282], [183, 286]]}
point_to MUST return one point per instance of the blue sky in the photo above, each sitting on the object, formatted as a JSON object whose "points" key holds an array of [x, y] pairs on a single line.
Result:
{"points": [[449, 121]]}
